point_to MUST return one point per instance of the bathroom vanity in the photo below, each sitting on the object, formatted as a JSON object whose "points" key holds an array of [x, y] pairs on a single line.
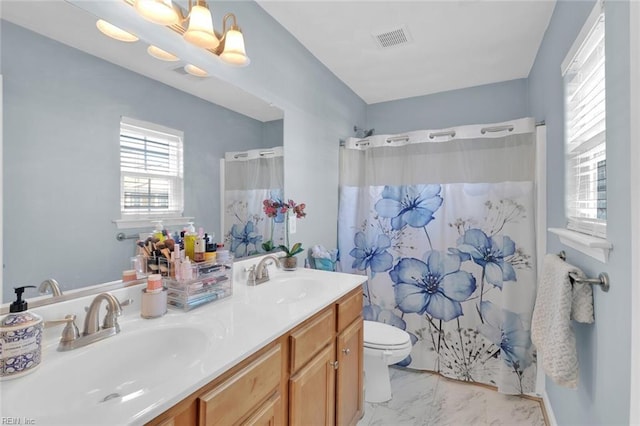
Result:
{"points": [[310, 375], [288, 351]]}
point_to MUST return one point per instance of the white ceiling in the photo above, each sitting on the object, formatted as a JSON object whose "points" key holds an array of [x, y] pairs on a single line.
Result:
{"points": [[455, 44]]}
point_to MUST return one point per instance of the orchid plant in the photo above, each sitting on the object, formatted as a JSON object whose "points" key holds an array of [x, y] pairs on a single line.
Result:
{"points": [[279, 211]]}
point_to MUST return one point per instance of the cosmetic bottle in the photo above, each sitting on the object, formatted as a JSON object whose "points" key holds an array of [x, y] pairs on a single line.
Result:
{"points": [[154, 298], [21, 336], [159, 230], [187, 272], [190, 241], [210, 252], [199, 249]]}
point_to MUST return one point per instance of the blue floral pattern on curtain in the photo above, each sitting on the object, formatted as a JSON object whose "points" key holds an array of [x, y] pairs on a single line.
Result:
{"points": [[248, 226], [450, 264]]}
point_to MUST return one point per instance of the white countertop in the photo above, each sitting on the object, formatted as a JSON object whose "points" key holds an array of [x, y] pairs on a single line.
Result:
{"points": [[216, 337]]}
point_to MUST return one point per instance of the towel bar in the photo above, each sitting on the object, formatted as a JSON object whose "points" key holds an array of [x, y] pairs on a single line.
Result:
{"points": [[602, 280], [121, 236]]}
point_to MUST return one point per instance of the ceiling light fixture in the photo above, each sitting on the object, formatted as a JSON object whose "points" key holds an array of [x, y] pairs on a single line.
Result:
{"points": [[200, 30], [163, 55], [193, 70], [115, 32], [228, 45], [159, 12]]}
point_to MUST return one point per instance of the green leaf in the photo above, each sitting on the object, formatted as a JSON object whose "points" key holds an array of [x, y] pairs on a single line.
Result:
{"points": [[293, 253], [285, 249], [297, 247]]}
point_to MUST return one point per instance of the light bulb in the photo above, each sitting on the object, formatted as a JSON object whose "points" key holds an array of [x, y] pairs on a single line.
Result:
{"points": [[160, 12], [200, 30], [234, 53], [163, 55], [115, 32], [193, 70]]}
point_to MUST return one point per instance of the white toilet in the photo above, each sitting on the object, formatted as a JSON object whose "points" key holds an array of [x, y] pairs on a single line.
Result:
{"points": [[384, 345]]}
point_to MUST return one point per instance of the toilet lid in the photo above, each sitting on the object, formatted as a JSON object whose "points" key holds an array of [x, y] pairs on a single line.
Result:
{"points": [[377, 334]]}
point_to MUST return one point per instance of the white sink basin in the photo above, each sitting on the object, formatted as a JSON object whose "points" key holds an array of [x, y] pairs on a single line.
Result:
{"points": [[102, 373], [285, 289]]}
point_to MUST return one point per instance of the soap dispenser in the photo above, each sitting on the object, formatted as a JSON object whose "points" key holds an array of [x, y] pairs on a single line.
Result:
{"points": [[20, 339]]}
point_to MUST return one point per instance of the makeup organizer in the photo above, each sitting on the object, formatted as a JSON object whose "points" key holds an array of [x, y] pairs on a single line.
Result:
{"points": [[204, 283]]}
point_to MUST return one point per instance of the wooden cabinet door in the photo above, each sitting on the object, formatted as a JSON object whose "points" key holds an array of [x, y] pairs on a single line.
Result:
{"points": [[238, 397], [349, 376], [312, 391], [268, 414]]}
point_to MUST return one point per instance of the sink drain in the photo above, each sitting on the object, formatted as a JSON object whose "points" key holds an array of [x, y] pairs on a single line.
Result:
{"points": [[111, 396]]}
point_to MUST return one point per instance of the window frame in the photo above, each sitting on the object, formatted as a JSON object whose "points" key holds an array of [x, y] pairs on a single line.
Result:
{"points": [[175, 180], [595, 227]]}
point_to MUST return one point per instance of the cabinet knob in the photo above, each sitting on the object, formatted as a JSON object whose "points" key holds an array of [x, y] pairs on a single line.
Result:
{"points": [[346, 351], [334, 364]]}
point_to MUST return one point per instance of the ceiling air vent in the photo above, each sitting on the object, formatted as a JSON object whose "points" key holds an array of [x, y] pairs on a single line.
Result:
{"points": [[392, 37]]}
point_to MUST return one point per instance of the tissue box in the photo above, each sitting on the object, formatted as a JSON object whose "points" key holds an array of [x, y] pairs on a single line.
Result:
{"points": [[324, 264]]}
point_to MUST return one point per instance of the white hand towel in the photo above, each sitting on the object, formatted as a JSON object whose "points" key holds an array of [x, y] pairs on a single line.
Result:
{"points": [[558, 302]]}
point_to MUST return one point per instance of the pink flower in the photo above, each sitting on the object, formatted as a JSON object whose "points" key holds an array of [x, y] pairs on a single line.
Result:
{"points": [[299, 210], [270, 208]]}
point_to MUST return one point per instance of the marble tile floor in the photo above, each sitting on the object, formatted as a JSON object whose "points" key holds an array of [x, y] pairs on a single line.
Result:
{"points": [[422, 398]]}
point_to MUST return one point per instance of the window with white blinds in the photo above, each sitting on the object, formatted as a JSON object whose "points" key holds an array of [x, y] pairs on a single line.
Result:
{"points": [[585, 129], [151, 170]]}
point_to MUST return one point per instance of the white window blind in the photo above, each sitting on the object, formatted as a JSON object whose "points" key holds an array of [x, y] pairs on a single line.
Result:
{"points": [[151, 170], [585, 129]]}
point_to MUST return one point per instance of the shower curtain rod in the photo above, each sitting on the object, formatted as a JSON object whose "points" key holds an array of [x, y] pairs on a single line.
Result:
{"points": [[450, 133]]}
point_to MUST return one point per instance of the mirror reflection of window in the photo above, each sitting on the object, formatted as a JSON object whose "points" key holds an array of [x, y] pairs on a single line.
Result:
{"points": [[248, 179], [151, 170]]}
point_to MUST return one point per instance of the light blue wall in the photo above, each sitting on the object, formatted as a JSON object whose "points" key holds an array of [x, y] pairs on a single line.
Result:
{"points": [[62, 112], [489, 103], [319, 110], [602, 396], [604, 347], [272, 133]]}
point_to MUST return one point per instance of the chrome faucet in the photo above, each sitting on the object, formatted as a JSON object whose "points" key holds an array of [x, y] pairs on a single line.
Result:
{"points": [[52, 284], [114, 310], [261, 272]]}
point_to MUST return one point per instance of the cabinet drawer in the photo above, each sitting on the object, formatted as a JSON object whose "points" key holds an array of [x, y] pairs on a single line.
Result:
{"points": [[349, 308], [228, 403], [269, 413], [311, 337]]}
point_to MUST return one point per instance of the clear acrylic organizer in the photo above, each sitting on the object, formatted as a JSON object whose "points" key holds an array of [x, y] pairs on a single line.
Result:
{"points": [[212, 281]]}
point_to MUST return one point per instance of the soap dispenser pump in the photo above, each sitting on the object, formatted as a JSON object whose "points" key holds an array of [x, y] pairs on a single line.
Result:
{"points": [[20, 339]]}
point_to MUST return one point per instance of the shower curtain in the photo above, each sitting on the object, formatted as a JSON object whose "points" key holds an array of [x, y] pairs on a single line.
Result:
{"points": [[249, 178], [442, 222]]}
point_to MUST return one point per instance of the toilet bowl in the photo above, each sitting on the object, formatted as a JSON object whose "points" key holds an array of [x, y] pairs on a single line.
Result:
{"points": [[384, 345]]}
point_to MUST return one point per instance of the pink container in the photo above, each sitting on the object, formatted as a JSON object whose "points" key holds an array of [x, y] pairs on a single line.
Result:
{"points": [[154, 283]]}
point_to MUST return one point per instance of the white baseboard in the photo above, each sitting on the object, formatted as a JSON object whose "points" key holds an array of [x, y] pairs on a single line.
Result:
{"points": [[547, 407]]}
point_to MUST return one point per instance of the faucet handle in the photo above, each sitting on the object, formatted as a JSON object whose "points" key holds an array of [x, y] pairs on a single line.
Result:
{"points": [[70, 331], [66, 320], [265, 272], [124, 303], [251, 279]]}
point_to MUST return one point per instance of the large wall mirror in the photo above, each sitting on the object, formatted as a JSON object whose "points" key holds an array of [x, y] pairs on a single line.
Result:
{"points": [[66, 89]]}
